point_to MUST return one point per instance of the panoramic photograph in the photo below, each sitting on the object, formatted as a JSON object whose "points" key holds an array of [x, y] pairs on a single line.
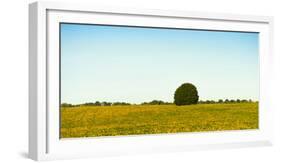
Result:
{"points": [[128, 80]]}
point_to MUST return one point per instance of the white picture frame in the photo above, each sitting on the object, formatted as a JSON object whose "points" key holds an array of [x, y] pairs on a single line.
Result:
{"points": [[44, 141]]}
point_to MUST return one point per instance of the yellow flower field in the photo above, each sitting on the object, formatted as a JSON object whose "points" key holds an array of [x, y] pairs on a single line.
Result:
{"points": [[92, 121]]}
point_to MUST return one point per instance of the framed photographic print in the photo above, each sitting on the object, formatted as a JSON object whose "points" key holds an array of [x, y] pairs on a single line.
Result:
{"points": [[110, 81]]}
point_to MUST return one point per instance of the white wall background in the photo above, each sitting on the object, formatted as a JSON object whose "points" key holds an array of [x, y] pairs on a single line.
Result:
{"points": [[14, 81]]}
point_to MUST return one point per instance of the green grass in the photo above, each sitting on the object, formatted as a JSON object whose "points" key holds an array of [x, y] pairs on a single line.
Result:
{"points": [[91, 121]]}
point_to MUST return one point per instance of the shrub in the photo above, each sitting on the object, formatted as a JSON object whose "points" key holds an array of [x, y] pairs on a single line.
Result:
{"points": [[106, 103], [186, 94], [120, 103], [157, 102], [66, 105], [244, 101]]}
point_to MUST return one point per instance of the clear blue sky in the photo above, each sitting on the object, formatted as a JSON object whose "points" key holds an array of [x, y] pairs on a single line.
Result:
{"points": [[132, 64]]}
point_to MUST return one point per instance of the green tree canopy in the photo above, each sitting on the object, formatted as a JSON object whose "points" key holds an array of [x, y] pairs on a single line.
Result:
{"points": [[186, 94]]}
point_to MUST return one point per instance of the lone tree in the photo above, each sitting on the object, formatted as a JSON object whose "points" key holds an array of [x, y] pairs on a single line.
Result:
{"points": [[186, 94]]}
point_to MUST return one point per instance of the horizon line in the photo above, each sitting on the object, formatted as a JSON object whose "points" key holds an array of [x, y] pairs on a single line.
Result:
{"points": [[252, 100]]}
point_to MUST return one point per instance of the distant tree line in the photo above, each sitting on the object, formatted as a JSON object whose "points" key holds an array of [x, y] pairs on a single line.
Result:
{"points": [[226, 101], [154, 102], [104, 103], [67, 105], [97, 103]]}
